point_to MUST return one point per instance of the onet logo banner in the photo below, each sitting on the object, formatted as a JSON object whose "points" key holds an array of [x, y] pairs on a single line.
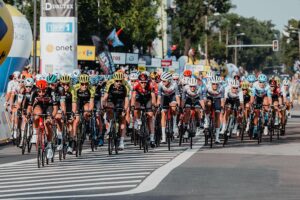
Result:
{"points": [[59, 27]]}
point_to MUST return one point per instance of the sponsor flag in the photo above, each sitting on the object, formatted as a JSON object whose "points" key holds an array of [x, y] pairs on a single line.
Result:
{"points": [[113, 38]]}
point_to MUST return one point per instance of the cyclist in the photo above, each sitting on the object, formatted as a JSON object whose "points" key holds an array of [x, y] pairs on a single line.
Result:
{"points": [[233, 98], [23, 99], [66, 108], [143, 95], [276, 99], [117, 96], [251, 79], [96, 81], [168, 95], [246, 96], [82, 101], [42, 101], [260, 98], [287, 96], [214, 97], [192, 96]]}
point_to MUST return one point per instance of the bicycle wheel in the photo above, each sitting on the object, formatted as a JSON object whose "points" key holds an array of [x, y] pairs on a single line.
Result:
{"points": [[192, 131], [39, 157], [24, 141], [181, 132], [29, 136]]}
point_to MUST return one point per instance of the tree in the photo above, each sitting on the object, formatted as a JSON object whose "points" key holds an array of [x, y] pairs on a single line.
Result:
{"points": [[137, 18], [290, 44], [188, 20]]}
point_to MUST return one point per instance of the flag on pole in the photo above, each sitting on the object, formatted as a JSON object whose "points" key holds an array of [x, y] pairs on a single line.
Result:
{"points": [[113, 38]]}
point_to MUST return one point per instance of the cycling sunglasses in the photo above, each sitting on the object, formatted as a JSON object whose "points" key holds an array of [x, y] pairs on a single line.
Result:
{"points": [[84, 84]]}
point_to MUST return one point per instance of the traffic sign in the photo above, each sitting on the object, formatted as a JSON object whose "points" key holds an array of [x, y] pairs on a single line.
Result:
{"points": [[275, 45]]}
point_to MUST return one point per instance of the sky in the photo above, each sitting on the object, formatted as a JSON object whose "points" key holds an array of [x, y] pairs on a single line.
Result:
{"points": [[279, 11]]}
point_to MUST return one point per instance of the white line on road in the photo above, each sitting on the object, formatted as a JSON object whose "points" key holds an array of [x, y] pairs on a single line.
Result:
{"points": [[150, 183]]}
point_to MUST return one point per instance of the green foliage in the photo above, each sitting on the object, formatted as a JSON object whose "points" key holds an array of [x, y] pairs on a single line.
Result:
{"points": [[290, 44]]}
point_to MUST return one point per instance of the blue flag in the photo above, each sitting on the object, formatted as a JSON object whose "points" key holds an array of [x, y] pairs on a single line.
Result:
{"points": [[114, 40]]}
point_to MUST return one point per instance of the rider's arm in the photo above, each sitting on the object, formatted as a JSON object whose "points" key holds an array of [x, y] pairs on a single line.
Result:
{"points": [[126, 104], [92, 98], [177, 95], [159, 95], [153, 98]]}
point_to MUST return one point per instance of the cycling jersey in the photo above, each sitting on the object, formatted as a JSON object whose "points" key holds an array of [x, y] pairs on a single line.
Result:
{"points": [[143, 95], [168, 91], [215, 94], [117, 95], [190, 97], [260, 92], [12, 86], [276, 93], [46, 102], [286, 93], [81, 96], [233, 96]]}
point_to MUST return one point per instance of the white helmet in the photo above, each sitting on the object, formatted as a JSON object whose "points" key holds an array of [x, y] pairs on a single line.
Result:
{"points": [[166, 76], [146, 73], [29, 82], [286, 82], [76, 73], [38, 77], [44, 76], [133, 76], [175, 76], [215, 79], [193, 82], [185, 80], [209, 75], [58, 75], [234, 83], [16, 74]]}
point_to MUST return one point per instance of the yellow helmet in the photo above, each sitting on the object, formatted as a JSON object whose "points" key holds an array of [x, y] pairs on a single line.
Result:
{"points": [[84, 78], [119, 76], [277, 79], [245, 85], [65, 78]]}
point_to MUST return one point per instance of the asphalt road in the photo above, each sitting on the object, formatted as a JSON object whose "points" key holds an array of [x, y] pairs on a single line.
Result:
{"points": [[238, 171]]}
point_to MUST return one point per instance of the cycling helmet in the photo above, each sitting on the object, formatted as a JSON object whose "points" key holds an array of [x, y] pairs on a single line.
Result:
{"points": [[215, 79], [94, 80], [65, 78], [244, 85], [38, 77], [76, 73], [91, 72], [262, 78], [187, 73], [101, 78], [278, 80], [84, 78], [234, 83], [166, 76], [143, 77], [41, 84], [29, 82], [58, 75], [286, 82], [209, 75], [175, 76], [119, 76], [74, 80], [185, 80], [133, 76], [16, 74], [251, 78], [193, 82], [153, 75], [52, 78]]}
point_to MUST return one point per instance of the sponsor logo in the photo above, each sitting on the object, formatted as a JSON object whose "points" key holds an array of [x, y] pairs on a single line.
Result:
{"points": [[59, 27], [50, 48], [49, 6], [88, 53]]}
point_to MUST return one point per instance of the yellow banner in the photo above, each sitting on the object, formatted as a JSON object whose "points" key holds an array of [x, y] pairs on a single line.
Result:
{"points": [[83, 52], [86, 52]]}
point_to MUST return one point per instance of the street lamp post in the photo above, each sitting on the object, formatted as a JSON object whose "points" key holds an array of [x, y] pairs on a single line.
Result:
{"points": [[235, 48], [34, 36]]}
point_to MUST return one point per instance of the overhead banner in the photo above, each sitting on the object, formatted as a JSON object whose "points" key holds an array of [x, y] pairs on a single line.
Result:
{"points": [[58, 28], [58, 8]]}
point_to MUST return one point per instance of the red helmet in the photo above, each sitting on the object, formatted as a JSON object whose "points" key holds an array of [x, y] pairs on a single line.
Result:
{"points": [[41, 84], [143, 77], [187, 72], [273, 82]]}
